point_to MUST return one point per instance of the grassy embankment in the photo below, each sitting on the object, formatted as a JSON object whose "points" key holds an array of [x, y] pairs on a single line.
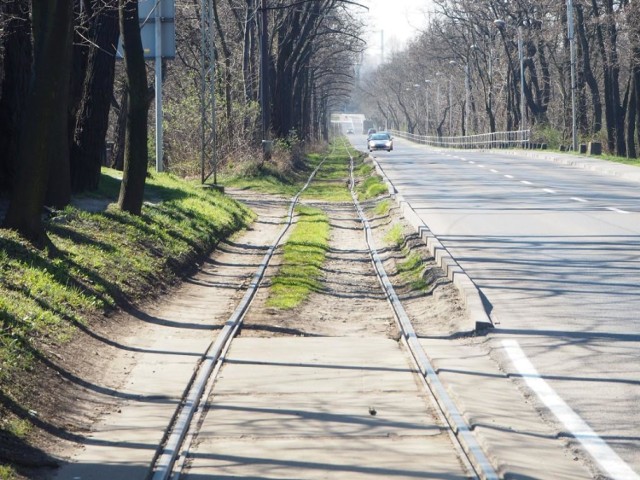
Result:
{"points": [[104, 260]]}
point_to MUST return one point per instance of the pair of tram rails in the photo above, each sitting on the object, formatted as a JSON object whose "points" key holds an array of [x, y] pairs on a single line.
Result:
{"points": [[168, 461]]}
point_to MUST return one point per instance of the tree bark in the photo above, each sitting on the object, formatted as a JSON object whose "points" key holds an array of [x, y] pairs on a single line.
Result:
{"points": [[90, 131], [136, 150], [15, 86], [46, 111]]}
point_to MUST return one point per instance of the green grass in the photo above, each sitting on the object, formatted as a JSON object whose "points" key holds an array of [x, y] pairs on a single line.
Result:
{"points": [[303, 256], [7, 473], [410, 270], [382, 207], [266, 178], [395, 236], [102, 260], [331, 182]]}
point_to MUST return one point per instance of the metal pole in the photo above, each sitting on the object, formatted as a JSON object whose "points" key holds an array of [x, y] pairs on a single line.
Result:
{"points": [[212, 93], [467, 92], [572, 49], [450, 112], [426, 102], [158, 84], [523, 123], [264, 80]]}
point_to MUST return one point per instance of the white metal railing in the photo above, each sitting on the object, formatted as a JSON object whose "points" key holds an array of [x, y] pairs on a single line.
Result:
{"points": [[516, 138]]}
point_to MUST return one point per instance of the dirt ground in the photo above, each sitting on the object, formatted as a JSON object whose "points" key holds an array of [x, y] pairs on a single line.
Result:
{"points": [[80, 382]]}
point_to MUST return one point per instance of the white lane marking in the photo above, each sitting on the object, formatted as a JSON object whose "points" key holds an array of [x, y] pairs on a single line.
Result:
{"points": [[526, 182], [597, 448], [509, 176], [548, 190], [617, 210], [471, 161], [578, 199], [494, 171], [480, 166]]}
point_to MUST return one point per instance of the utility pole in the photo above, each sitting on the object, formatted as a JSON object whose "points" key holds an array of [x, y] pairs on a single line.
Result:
{"points": [[157, 17], [264, 80], [523, 122]]}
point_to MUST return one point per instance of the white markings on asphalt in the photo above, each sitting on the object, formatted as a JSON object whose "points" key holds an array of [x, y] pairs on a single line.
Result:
{"points": [[471, 161], [548, 190], [480, 166], [617, 210], [609, 460], [578, 199], [526, 182], [509, 176], [494, 171]]}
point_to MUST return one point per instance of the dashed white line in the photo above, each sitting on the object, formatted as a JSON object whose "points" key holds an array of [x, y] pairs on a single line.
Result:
{"points": [[578, 199], [509, 176], [526, 182], [548, 190], [597, 448], [617, 210], [480, 166], [493, 170], [471, 161]]}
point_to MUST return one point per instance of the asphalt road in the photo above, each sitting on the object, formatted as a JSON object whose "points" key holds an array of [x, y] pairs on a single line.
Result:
{"points": [[555, 251]]}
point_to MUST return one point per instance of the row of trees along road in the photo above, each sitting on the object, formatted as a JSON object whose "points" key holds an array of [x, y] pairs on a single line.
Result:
{"points": [[463, 72], [63, 94]]}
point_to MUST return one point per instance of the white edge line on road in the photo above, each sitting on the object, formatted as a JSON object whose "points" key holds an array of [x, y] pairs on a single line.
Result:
{"points": [[617, 210], [578, 199], [609, 460]]}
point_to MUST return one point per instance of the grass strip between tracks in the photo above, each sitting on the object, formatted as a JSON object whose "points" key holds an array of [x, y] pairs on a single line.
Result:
{"points": [[303, 256]]}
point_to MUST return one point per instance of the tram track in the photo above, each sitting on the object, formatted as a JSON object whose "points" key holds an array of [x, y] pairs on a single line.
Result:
{"points": [[170, 458]]}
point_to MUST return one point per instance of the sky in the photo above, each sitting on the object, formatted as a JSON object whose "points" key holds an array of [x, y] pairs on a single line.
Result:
{"points": [[400, 20]]}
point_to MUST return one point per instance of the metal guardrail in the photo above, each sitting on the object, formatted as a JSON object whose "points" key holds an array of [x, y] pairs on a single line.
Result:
{"points": [[516, 138]]}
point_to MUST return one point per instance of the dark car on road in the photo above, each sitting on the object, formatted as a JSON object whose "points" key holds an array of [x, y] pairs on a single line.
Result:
{"points": [[380, 141]]}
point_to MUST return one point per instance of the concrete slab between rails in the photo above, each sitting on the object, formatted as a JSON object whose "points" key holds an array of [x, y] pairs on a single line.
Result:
{"points": [[285, 365], [510, 431], [337, 458], [321, 414], [621, 170], [300, 407]]}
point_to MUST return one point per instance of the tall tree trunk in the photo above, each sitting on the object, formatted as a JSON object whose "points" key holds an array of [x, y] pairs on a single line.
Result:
{"points": [[93, 113], [596, 102], [120, 134], [136, 153], [46, 108], [15, 86]]}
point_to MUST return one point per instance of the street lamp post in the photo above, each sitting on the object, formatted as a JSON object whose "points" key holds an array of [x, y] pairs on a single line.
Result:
{"points": [[426, 103], [572, 50]]}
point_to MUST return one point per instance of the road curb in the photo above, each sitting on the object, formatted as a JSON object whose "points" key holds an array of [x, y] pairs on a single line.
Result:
{"points": [[455, 273]]}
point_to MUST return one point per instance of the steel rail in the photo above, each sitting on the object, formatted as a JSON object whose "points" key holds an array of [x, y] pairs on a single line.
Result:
{"points": [[458, 425], [202, 381], [162, 464]]}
